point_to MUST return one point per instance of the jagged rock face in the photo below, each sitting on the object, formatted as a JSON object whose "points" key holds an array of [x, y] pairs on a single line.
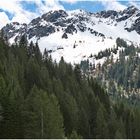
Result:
{"points": [[14, 28], [71, 23], [64, 36], [136, 26], [127, 13], [40, 26], [47, 24], [78, 35], [109, 13], [123, 16], [70, 29], [54, 16], [130, 10], [40, 31]]}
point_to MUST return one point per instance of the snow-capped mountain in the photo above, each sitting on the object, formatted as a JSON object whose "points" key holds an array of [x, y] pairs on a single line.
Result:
{"points": [[76, 35]]}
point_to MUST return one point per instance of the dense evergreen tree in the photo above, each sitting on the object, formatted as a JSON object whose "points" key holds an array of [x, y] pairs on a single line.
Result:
{"points": [[43, 99], [101, 130]]}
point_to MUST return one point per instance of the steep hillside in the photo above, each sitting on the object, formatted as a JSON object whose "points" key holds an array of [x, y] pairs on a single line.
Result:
{"points": [[76, 35]]}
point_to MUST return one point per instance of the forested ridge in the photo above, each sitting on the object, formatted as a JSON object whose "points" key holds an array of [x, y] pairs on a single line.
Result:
{"points": [[40, 98], [120, 76]]}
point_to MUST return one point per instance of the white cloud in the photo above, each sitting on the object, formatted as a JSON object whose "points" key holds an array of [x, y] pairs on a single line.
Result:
{"points": [[135, 3], [71, 1], [48, 5], [3, 19], [23, 16], [112, 5], [14, 7]]}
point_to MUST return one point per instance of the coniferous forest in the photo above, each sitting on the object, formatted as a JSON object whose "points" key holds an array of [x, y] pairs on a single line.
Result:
{"points": [[40, 98]]}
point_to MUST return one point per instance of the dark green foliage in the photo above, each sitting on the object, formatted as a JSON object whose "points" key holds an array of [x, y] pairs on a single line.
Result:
{"points": [[121, 43], [106, 53], [121, 76], [42, 99], [23, 41], [43, 118], [74, 135], [101, 129]]}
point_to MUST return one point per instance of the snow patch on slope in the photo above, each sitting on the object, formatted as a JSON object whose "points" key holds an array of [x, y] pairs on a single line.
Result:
{"points": [[77, 47], [117, 31]]}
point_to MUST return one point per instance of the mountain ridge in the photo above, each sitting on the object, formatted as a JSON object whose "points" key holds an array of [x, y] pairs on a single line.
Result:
{"points": [[80, 32]]}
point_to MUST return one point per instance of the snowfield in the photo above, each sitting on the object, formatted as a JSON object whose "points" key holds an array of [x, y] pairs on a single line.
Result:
{"points": [[76, 48], [81, 44]]}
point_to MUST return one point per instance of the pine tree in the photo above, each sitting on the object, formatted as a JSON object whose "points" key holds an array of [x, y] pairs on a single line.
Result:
{"points": [[113, 124], [74, 135], [42, 116], [23, 41], [101, 124], [120, 132], [136, 124], [78, 74]]}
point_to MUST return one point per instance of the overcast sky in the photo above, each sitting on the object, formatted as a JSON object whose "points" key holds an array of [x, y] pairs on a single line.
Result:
{"points": [[24, 11]]}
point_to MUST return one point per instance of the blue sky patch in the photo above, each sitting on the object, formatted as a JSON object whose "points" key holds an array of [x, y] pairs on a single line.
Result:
{"points": [[29, 6], [91, 6], [10, 15]]}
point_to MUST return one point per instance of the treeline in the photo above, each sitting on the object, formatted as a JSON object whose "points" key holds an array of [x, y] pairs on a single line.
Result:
{"points": [[106, 53], [40, 98], [120, 76], [125, 72]]}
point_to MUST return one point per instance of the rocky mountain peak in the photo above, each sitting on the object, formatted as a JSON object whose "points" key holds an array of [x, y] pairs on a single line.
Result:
{"points": [[53, 16], [77, 35], [106, 14], [72, 22], [130, 10]]}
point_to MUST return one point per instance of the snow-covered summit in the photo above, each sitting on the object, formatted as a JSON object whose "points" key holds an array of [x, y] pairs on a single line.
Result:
{"points": [[77, 34]]}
